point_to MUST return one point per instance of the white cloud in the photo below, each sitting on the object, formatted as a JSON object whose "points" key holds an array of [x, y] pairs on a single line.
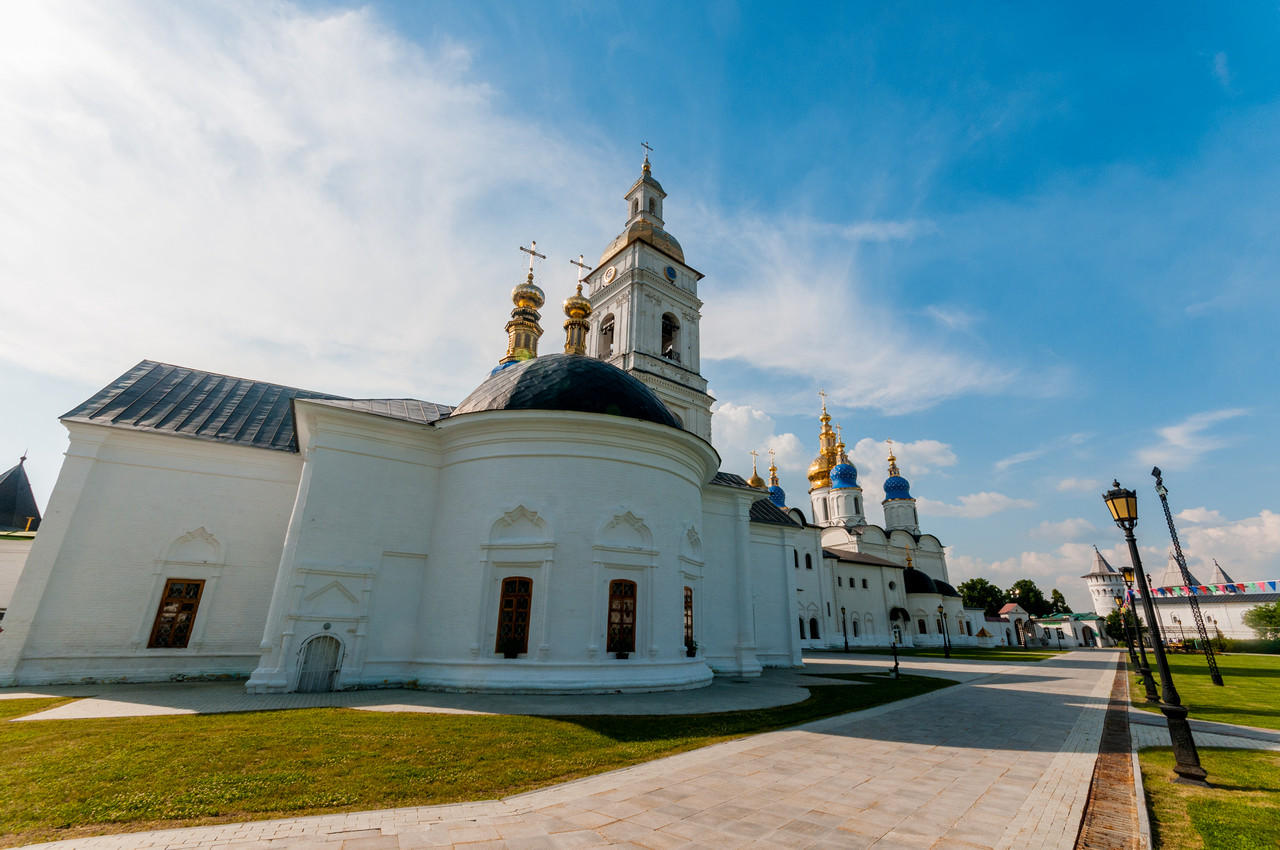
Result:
{"points": [[953, 318], [740, 429], [973, 506], [793, 266], [1067, 529], [277, 193], [918, 458], [1020, 457], [886, 231], [1199, 515], [1182, 444], [1081, 485], [1221, 70], [1248, 549]]}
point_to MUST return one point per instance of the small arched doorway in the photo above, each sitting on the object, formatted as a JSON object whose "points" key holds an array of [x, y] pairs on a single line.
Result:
{"points": [[1090, 639], [321, 658]]}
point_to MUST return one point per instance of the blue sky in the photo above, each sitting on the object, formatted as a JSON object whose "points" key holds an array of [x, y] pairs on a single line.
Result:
{"points": [[1034, 245]]}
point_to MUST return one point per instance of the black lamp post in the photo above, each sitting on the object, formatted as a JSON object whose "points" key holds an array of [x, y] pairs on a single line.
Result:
{"points": [[1124, 623], [1144, 669], [1163, 492], [844, 627], [1123, 505], [946, 637]]}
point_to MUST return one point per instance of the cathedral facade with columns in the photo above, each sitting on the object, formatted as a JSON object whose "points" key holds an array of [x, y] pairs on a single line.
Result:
{"points": [[567, 527]]}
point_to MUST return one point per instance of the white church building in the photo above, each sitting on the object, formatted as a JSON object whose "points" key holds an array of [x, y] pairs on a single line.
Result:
{"points": [[565, 528]]}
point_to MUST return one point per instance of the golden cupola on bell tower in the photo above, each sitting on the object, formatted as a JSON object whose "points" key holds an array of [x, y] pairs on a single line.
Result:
{"points": [[523, 331], [577, 308], [828, 453]]}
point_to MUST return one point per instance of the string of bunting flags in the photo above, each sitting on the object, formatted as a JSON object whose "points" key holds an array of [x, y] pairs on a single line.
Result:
{"points": [[1214, 589]]}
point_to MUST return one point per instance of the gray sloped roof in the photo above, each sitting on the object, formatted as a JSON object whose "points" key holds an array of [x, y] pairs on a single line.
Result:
{"points": [[728, 479], [767, 512], [168, 399], [17, 502], [408, 409], [859, 558]]}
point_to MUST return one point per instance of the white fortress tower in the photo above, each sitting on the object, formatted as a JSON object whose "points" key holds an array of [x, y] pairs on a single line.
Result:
{"points": [[645, 309], [1104, 583]]}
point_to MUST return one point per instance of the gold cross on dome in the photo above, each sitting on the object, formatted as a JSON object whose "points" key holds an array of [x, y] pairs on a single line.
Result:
{"points": [[583, 268], [771, 453], [647, 150], [754, 454], [532, 252]]}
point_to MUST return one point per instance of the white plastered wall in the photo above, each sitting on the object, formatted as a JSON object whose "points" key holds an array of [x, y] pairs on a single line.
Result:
{"points": [[129, 511]]}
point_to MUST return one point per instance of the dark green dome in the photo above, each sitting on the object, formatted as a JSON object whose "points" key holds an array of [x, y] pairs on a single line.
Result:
{"points": [[567, 382], [916, 581]]}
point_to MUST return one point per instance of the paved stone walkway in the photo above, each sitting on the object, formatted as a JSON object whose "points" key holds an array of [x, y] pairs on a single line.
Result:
{"points": [[1000, 761]]}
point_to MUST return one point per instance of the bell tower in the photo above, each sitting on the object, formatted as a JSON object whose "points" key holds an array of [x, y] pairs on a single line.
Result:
{"points": [[645, 308]]}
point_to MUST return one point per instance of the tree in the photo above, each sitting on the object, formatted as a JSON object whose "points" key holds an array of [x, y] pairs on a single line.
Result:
{"points": [[1115, 626], [1058, 603], [980, 593], [1029, 596], [1265, 620]]}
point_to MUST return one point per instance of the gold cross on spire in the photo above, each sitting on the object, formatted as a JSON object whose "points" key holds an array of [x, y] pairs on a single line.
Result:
{"points": [[823, 393], [583, 268], [647, 150], [771, 454], [532, 252], [754, 454]]}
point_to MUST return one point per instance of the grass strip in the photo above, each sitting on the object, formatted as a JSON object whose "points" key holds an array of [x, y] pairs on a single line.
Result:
{"points": [[1249, 694], [1240, 812], [69, 778]]}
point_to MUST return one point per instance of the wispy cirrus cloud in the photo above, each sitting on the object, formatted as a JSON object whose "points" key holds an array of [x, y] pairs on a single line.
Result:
{"points": [[1066, 529], [1079, 485], [1182, 444], [974, 505]]}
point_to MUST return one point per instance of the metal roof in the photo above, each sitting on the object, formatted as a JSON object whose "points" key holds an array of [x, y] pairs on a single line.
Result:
{"points": [[767, 512], [408, 409], [728, 479], [568, 382], [17, 502], [168, 399], [860, 558]]}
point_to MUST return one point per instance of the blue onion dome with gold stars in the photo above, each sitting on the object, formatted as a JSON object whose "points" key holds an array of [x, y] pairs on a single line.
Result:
{"points": [[776, 494], [844, 474], [895, 486]]}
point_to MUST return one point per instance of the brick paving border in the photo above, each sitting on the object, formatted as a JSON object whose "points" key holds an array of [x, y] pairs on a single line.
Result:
{"points": [[1111, 813]]}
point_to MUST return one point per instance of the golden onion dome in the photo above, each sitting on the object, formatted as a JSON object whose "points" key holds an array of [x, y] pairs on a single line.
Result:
{"points": [[577, 306], [819, 473], [528, 294], [756, 481], [644, 231]]}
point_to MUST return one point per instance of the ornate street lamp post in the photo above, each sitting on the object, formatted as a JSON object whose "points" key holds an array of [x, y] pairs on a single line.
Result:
{"points": [[1124, 622], [1123, 505], [946, 637], [1144, 669], [1163, 493], [844, 627]]}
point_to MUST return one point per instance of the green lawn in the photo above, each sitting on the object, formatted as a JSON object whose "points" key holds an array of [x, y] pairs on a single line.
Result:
{"points": [[1240, 812], [1250, 692], [966, 653], [67, 778]]}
